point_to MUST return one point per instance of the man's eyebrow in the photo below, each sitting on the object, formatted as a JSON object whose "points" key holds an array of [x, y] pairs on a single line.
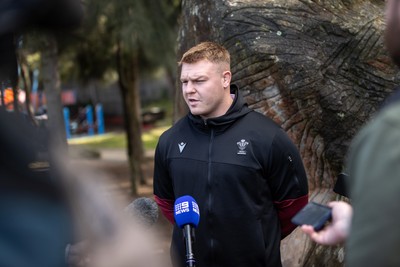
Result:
{"points": [[194, 77], [199, 77]]}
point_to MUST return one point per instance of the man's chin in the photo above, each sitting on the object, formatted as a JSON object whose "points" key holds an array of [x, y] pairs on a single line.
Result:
{"points": [[195, 111]]}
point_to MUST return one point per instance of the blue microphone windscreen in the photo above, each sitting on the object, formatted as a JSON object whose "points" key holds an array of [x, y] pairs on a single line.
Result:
{"points": [[186, 211]]}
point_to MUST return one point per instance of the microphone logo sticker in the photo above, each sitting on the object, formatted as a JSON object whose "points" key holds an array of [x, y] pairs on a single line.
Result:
{"points": [[181, 207], [181, 146], [242, 144], [195, 207]]}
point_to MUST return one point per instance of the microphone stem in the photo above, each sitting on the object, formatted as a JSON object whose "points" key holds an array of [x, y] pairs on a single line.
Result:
{"points": [[190, 261]]}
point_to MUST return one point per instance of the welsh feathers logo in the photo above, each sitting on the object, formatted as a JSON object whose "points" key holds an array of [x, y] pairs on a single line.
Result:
{"points": [[242, 144]]}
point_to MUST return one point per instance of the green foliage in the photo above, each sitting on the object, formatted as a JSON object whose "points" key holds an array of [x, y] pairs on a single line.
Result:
{"points": [[164, 104], [146, 28], [150, 138], [109, 140], [117, 139]]}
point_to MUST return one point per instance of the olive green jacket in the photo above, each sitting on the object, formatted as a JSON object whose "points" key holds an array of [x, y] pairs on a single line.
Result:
{"points": [[374, 183]]}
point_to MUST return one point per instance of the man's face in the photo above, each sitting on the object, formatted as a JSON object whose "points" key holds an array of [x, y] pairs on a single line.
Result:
{"points": [[205, 88]]}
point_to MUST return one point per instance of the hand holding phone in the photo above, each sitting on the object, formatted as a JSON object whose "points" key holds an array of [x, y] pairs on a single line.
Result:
{"points": [[335, 232], [313, 214]]}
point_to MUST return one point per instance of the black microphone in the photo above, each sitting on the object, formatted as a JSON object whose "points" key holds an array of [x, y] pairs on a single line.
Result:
{"points": [[187, 216], [144, 210]]}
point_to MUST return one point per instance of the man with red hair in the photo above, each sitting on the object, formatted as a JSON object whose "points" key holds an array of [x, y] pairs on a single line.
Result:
{"points": [[241, 167]]}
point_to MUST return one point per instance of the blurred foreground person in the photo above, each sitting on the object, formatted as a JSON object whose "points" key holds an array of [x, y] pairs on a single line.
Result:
{"points": [[18, 16], [370, 226], [45, 206], [36, 219], [141, 214], [240, 166]]}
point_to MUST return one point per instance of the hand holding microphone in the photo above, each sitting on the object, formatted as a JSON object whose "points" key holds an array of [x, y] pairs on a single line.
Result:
{"points": [[187, 216]]}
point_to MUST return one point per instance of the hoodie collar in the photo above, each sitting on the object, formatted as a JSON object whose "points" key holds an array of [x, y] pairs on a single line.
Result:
{"points": [[237, 110]]}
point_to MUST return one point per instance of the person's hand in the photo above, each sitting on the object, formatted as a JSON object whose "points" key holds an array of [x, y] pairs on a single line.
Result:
{"points": [[337, 231]]}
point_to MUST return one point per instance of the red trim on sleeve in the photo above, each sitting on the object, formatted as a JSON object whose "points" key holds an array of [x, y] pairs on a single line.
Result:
{"points": [[286, 210], [166, 207]]}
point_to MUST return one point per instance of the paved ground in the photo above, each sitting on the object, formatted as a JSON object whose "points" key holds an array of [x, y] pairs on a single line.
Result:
{"points": [[113, 164]]}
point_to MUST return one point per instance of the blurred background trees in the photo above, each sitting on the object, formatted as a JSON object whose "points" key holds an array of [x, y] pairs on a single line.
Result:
{"points": [[129, 39], [118, 41]]}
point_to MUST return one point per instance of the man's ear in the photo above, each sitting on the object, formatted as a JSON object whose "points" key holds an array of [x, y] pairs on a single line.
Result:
{"points": [[227, 76]]}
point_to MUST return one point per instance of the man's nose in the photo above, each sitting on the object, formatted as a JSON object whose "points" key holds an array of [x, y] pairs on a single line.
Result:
{"points": [[190, 88]]}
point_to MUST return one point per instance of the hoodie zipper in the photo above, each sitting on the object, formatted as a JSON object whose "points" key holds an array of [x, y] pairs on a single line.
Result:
{"points": [[210, 199], [291, 163]]}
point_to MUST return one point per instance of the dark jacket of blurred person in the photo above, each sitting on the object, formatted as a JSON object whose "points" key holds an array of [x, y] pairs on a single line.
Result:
{"points": [[36, 220]]}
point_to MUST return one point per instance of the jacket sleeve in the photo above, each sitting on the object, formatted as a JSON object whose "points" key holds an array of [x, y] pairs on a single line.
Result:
{"points": [[167, 208], [162, 186], [288, 181]]}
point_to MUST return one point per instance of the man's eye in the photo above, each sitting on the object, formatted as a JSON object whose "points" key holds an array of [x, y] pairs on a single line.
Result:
{"points": [[184, 82]]}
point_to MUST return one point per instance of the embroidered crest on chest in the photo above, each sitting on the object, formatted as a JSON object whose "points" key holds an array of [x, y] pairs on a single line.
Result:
{"points": [[242, 145]]}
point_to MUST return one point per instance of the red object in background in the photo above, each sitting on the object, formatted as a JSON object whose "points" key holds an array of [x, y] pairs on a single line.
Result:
{"points": [[9, 98], [68, 97]]}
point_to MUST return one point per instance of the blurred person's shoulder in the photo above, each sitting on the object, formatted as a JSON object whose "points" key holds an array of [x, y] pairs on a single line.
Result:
{"points": [[389, 113]]}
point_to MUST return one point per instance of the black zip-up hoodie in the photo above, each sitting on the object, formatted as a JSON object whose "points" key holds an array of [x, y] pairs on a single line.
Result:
{"points": [[246, 176]]}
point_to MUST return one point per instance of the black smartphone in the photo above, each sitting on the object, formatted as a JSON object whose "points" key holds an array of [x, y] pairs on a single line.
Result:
{"points": [[313, 214]]}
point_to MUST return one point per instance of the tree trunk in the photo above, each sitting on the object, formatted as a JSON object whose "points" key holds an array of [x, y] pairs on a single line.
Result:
{"points": [[128, 83], [52, 87], [318, 68], [180, 108], [26, 81]]}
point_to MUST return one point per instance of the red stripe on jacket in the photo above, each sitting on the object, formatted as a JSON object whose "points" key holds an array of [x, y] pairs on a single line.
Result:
{"points": [[166, 207], [286, 210]]}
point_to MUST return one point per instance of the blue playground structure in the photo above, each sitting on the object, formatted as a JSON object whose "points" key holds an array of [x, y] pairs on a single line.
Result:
{"points": [[87, 122]]}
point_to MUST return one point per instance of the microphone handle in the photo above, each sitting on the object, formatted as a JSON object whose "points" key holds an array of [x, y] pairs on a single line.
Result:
{"points": [[190, 260]]}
